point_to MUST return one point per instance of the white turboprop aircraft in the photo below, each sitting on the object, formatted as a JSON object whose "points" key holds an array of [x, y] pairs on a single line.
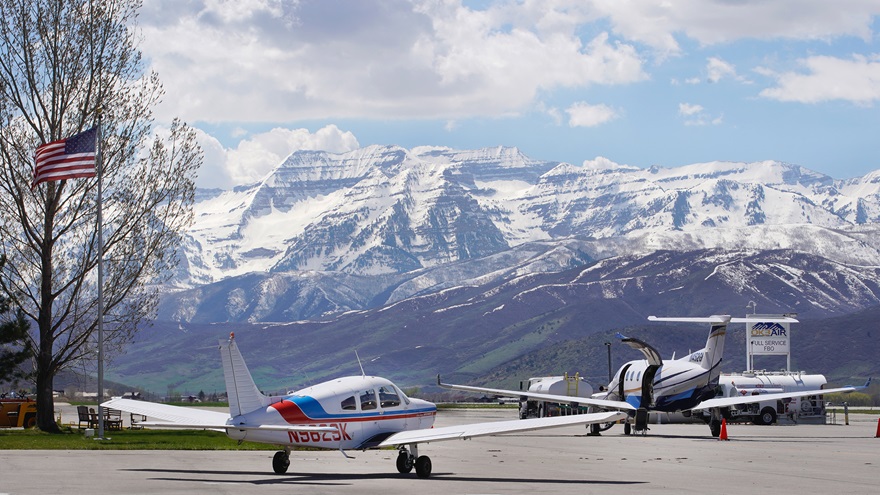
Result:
{"points": [[653, 384], [350, 413]]}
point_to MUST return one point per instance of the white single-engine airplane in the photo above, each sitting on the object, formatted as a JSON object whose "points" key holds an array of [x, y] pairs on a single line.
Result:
{"points": [[653, 384], [350, 413]]}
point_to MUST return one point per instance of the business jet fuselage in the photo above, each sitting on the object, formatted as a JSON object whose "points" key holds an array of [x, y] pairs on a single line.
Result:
{"points": [[653, 384], [670, 385]]}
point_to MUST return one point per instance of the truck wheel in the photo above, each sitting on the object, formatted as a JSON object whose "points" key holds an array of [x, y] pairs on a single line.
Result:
{"points": [[30, 421], [767, 417]]}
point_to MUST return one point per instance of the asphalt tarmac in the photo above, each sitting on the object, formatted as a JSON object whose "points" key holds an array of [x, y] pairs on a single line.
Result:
{"points": [[670, 459]]}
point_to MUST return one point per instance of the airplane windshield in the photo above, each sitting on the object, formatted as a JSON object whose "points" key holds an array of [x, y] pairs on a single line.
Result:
{"points": [[388, 397]]}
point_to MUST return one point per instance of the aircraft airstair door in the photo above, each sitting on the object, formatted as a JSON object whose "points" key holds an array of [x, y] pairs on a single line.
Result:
{"points": [[621, 384], [648, 385]]}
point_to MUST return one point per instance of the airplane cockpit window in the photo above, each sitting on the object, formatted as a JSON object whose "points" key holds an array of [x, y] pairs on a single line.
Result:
{"points": [[349, 404], [368, 400], [388, 397]]}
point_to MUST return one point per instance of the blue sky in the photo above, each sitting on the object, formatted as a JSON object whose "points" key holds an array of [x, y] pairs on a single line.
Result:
{"points": [[639, 82]]}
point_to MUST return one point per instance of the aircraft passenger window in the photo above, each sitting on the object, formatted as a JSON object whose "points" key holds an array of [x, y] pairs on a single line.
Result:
{"points": [[388, 397], [349, 404], [639, 377], [368, 400]]}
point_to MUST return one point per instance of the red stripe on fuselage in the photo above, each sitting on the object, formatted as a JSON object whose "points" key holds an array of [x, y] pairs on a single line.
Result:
{"points": [[292, 413]]}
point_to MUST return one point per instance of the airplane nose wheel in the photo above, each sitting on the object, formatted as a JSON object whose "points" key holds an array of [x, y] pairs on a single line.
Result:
{"points": [[281, 462]]}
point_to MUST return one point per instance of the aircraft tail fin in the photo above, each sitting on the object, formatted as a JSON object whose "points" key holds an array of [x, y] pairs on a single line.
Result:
{"points": [[713, 353], [244, 396]]}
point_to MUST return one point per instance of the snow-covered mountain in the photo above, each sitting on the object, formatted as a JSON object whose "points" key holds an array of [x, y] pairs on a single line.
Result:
{"points": [[326, 233]]}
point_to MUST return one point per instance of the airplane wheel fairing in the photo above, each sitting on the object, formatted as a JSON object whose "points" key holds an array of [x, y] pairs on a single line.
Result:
{"points": [[404, 463], [280, 462], [423, 466], [768, 416]]}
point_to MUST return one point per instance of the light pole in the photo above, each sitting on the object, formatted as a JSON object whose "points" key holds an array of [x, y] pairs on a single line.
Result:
{"points": [[608, 346]]}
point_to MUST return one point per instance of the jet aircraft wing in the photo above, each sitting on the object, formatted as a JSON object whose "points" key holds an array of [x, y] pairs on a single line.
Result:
{"points": [[465, 432], [748, 399], [603, 403]]}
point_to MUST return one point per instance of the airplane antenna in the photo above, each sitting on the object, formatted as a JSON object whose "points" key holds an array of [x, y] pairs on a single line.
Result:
{"points": [[359, 363]]}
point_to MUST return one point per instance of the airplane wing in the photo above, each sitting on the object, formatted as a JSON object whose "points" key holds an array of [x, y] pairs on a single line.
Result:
{"points": [[465, 432], [748, 399], [603, 403], [191, 418]]}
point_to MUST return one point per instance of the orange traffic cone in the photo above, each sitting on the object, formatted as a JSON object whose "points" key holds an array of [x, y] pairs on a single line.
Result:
{"points": [[877, 435], [723, 435]]}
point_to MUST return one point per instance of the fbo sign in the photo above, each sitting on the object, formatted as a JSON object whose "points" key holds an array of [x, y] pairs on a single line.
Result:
{"points": [[769, 338]]}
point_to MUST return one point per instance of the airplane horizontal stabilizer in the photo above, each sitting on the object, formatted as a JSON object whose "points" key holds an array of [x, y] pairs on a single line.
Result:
{"points": [[724, 319], [226, 427], [464, 432], [171, 414]]}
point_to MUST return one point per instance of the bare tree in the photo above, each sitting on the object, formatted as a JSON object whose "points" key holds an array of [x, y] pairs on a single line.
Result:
{"points": [[62, 65]]}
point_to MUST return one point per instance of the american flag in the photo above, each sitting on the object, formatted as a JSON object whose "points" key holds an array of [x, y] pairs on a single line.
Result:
{"points": [[66, 158]]}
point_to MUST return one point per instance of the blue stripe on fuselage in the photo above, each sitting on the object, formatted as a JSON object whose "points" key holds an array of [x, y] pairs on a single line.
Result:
{"points": [[314, 410], [634, 400]]}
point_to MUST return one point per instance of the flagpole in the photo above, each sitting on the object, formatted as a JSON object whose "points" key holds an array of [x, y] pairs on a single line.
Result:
{"points": [[99, 166]]}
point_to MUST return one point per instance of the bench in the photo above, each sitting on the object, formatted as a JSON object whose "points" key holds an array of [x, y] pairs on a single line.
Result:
{"points": [[113, 419]]}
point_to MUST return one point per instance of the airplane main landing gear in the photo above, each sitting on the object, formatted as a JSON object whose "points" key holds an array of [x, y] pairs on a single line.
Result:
{"points": [[715, 428], [423, 466], [404, 462], [281, 461], [409, 458]]}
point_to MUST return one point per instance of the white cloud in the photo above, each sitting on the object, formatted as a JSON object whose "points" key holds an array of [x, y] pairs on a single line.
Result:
{"points": [[583, 114], [689, 109], [718, 69], [281, 61], [285, 61], [828, 78], [696, 115], [657, 23], [255, 157]]}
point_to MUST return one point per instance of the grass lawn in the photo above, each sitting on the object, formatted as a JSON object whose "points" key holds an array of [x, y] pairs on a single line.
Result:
{"points": [[73, 439]]}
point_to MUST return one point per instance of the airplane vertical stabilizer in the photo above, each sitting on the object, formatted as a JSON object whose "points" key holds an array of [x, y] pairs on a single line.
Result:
{"points": [[714, 350], [710, 356], [244, 396]]}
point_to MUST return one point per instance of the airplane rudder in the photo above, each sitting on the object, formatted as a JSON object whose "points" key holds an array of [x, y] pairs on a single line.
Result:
{"points": [[241, 390]]}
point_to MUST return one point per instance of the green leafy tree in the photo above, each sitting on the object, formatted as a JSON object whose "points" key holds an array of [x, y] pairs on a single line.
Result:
{"points": [[62, 65], [13, 339]]}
